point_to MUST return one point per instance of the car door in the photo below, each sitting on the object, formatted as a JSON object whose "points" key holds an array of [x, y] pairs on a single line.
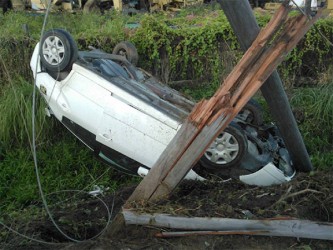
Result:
{"points": [[82, 101], [132, 132]]}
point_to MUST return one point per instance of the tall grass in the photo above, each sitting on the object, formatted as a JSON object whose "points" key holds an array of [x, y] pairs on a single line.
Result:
{"points": [[316, 124], [16, 113]]}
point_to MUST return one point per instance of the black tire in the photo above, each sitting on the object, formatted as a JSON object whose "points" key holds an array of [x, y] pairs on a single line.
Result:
{"points": [[58, 51], [128, 50], [226, 158], [251, 113]]}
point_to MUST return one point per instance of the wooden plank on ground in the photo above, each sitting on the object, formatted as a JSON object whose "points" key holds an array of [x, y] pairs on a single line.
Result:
{"points": [[270, 227]]}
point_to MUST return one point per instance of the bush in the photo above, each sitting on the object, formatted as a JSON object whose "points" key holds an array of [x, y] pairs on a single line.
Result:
{"points": [[190, 45]]}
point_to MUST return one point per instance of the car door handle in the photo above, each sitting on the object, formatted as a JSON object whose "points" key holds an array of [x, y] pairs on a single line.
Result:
{"points": [[106, 136], [64, 107]]}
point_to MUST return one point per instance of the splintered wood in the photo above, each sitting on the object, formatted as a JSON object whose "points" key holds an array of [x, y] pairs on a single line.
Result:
{"points": [[210, 117]]}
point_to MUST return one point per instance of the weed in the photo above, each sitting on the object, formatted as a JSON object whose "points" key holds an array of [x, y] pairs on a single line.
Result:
{"points": [[16, 113], [316, 106]]}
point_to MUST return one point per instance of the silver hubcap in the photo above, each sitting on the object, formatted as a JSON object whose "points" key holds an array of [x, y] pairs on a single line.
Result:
{"points": [[223, 150], [53, 50], [122, 53]]}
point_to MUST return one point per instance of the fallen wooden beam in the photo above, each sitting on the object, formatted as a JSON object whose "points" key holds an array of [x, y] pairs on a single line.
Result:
{"points": [[269, 227], [198, 233]]}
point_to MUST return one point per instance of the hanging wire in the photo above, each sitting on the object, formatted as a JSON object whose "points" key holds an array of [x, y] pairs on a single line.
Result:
{"points": [[109, 218], [35, 151], [307, 14], [33, 147]]}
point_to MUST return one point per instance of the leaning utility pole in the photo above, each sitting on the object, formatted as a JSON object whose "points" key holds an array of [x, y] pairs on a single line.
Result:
{"points": [[244, 24]]}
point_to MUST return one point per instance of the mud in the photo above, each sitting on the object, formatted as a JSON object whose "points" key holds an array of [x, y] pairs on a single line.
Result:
{"points": [[305, 197]]}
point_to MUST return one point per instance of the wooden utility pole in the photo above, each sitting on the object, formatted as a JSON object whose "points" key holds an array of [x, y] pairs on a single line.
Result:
{"points": [[244, 24]]}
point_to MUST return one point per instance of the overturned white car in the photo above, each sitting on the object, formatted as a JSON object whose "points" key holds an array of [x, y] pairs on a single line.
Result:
{"points": [[127, 117]]}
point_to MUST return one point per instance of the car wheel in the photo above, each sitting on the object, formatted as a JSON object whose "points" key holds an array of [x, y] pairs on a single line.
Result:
{"points": [[251, 113], [127, 50], [58, 50], [227, 150]]}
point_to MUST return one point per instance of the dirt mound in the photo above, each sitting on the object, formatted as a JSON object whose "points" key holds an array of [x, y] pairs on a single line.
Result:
{"points": [[305, 197]]}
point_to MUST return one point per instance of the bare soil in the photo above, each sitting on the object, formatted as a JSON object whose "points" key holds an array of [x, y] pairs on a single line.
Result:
{"points": [[305, 197]]}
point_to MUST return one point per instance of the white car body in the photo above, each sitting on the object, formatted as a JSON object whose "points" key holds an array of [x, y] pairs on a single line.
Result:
{"points": [[119, 120], [119, 116], [104, 104], [301, 3]]}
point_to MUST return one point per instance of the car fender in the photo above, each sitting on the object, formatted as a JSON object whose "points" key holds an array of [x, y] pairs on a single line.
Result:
{"points": [[267, 176]]}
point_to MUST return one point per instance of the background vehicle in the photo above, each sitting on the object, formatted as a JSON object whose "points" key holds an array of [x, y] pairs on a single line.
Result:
{"points": [[127, 117], [64, 5], [327, 5]]}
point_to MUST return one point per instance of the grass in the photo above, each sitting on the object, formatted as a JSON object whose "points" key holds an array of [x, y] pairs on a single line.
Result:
{"points": [[70, 166], [16, 113], [316, 124]]}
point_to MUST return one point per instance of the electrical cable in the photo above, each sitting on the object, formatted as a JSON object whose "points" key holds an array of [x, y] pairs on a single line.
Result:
{"points": [[309, 18], [35, 150], [109, 214], [82, 190], [33, 146], [27, 237]]}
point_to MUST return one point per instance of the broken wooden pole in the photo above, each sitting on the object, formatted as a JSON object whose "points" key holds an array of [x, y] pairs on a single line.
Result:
{"points": [[244, 24]]}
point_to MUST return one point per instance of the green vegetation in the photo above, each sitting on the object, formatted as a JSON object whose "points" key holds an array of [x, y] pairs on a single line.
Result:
{"points": [[314, 105], [70, 166], [15, 109], [194, 44]]}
